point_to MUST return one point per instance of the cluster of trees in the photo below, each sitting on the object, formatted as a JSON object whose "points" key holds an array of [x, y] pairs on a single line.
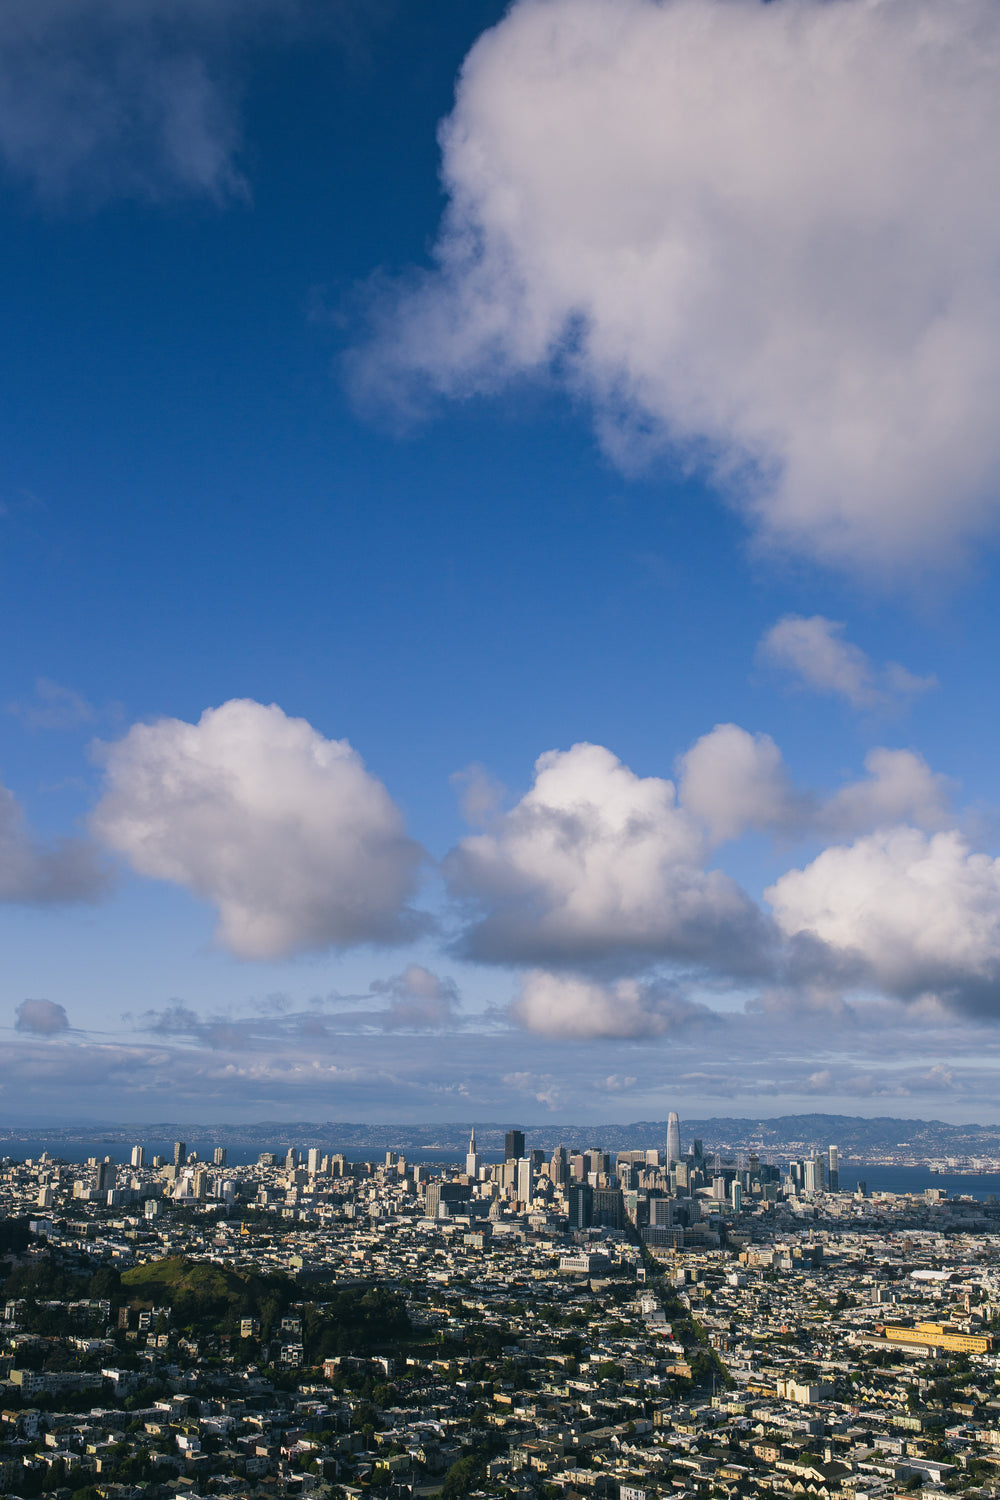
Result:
{"points": [[211, 1299]]}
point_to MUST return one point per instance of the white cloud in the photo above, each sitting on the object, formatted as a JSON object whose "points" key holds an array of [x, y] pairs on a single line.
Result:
{"points": [[814, 651], [766, 235], [915, 914], [285, 832], [41, 1018], [418, 1000], [567, 1005], [594, 863], [45, 874], [732, 780], [900, 788]]}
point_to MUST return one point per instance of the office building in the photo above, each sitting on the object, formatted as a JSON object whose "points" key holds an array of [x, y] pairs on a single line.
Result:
{"points": [[448, 1193], [580, 1204], [609, 1208], [736, 1197], [513, 1145], [559, 1167], [313, 1160], [472, 1156], [833, 1169], [661, 1211], [814, 1175], [525, 1180], [673, 1138], [291, 1158], [180, 1153], [106, 1176]]}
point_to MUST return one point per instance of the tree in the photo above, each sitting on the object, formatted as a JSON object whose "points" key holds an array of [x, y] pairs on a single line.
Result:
{"points": [[461, 1478]]}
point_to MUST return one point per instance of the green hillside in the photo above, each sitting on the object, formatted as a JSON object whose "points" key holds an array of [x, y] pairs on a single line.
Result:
{"points": [[199, 1292]]}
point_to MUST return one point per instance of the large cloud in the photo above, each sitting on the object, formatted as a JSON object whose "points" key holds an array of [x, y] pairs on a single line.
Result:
{"points": [[916, 914], [595, 863], [296, 844], [44, 874], [765, 234]]}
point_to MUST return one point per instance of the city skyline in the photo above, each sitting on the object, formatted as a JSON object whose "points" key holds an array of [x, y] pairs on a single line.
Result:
{"points": [[498, 520]]}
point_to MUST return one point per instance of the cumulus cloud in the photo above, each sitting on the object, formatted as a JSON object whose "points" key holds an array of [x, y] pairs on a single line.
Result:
{"points": [[418, 1000], [900, 788], [41, 1018], [764, 235], [568, 1005], [44, 874], [916, 914], [815, 652], [732, 780], [294, 842], [594, 863]]}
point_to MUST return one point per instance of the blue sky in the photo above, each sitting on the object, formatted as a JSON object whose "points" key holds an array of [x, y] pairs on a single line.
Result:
{"points": [[394, 395]]}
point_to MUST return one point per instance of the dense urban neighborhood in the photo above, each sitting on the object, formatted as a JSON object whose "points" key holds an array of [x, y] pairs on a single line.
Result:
{"points": [[572, 1324]]}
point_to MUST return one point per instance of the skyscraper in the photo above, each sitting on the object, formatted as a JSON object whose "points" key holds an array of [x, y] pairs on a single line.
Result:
{"points": [[138, 1156], [525, 1179], [580, 1205], [513, 1145], [220, 1156], [472, 1156], [106, 1176], [673, 1137], [814, 1175], [833, 1169], [180, 1153]]}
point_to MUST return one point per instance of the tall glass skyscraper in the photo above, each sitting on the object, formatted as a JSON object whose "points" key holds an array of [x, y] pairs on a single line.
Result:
{"points": [[673, 1138]]}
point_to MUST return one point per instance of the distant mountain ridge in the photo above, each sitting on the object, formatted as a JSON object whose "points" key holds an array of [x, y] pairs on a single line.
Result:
{"points": [[855, 1135]]}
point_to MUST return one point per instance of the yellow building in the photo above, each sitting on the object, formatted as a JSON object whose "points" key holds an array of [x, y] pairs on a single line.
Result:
{"points": [[936, 1336]]}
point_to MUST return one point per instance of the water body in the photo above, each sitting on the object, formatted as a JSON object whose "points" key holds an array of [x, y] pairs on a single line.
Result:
{"points": [[916, 1179]]}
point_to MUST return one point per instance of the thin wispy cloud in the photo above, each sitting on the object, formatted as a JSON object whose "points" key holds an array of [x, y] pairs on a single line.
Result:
{"points": [[53, 706], [815, 654]]}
